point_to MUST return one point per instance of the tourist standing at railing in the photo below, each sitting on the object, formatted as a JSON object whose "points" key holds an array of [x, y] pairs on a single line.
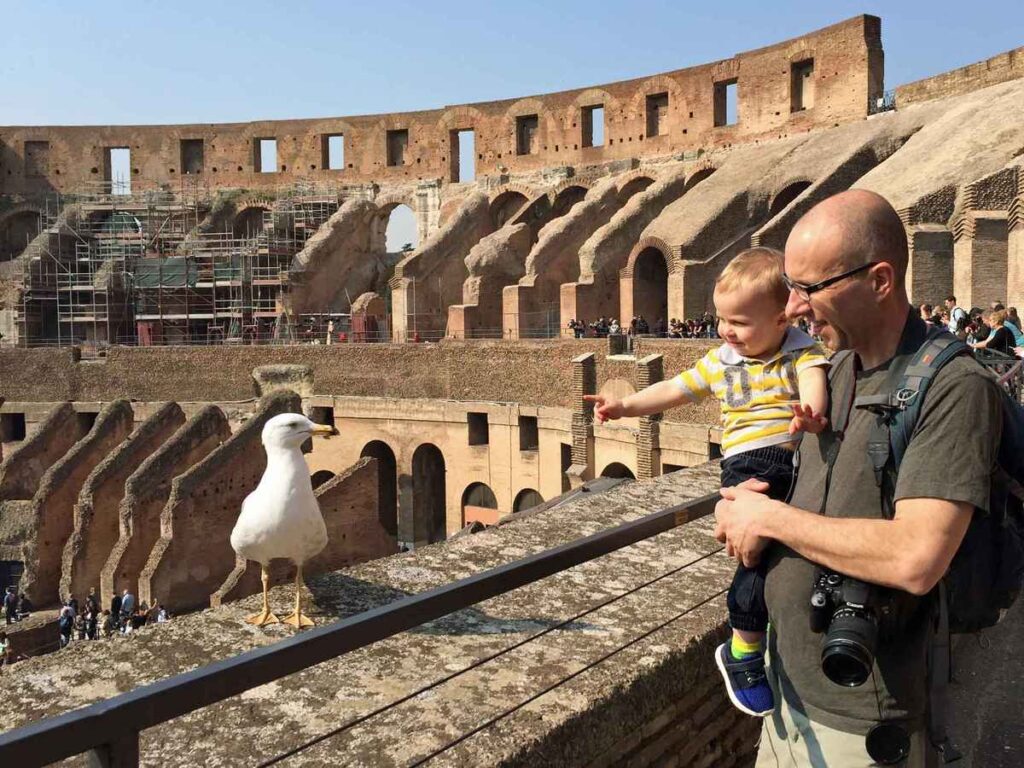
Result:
{"points": [[846, 263], [115, 610], [11, 605]]}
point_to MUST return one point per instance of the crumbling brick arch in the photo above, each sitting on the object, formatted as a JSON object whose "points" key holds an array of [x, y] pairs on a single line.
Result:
{"points": [[387, 483], [18, 227], [386, 205], [646, 279], [698, 175], [461, 118], [547, 125], [565, 195], [632, 183], [636, 109], [508, 200], [786, 194], [248, 221]]}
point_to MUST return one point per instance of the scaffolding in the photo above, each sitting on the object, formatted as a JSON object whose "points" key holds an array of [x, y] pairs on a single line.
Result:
{"points": [[112, 268]]}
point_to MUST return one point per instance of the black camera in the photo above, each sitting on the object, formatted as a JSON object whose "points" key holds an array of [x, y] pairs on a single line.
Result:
{"points": [[844, 609]]}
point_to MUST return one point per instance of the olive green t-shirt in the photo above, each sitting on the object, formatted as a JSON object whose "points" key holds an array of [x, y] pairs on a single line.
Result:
{"points": [[951, 456]]}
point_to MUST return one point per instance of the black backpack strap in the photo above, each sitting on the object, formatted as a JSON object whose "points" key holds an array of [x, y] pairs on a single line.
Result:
{"points": [[940, 671]]}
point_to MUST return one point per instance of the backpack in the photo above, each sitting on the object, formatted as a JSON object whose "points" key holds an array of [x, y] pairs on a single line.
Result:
{"points": [[987, 571]]}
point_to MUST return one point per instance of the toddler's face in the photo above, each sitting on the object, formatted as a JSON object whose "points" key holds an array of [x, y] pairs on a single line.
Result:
{"points": [[750, 321]]}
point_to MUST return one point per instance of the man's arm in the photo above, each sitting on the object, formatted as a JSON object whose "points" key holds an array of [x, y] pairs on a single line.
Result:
{"points": [[910, 552]]}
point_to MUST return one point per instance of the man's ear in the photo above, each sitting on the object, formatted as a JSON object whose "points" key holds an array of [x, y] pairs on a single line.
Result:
{"points": [[883, 278]]}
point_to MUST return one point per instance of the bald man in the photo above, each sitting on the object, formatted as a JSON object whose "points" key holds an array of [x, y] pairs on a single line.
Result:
{"points": [[846, 263]]}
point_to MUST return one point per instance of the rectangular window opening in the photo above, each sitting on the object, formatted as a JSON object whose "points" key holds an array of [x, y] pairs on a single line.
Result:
{"points": [[478, 431], [398, 142], [528, 436], [37, 158], [333, 151], [322, 414], [669, 468], [12, 427], [462, 162], [191, 156], [526, 135], [593, 126], [265, 157], [119, 170], [657, 114], [727, 95], [801, 85]]}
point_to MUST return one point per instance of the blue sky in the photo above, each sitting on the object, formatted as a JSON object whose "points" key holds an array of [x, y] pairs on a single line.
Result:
{"points": [[183, 61]]}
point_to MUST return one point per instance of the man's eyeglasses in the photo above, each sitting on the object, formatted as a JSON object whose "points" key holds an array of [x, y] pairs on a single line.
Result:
{"points": [[804, 290]]}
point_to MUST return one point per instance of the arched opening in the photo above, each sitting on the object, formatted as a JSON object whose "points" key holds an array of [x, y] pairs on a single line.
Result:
{"points": [[633, 186], [479, 504], [698, 177], [320, 477], [428, 495], [505, 206], [787, 196], [400, 231], [249, 223], [650, 288], [387, 484], [566, 199], [116, 223], [615, 469], [527, 499], [16, 232]]}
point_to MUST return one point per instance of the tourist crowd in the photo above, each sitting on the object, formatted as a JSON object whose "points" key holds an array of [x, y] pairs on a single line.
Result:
{"points": [[704, 327], [996, 329], [124, 616]]}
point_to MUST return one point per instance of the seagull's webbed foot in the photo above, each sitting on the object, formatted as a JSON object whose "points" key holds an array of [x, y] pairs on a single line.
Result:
{"points": [[262, 619], [298, 620]]}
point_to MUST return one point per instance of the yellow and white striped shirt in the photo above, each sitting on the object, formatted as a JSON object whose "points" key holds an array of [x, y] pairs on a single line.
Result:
{"points": [[757, 396]]}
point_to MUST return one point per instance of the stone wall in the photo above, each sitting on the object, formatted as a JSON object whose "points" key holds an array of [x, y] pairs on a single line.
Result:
{"points": [[96, 518], [654, 115], [998, 69], [537, 372], [51, 516], [146, 493]]}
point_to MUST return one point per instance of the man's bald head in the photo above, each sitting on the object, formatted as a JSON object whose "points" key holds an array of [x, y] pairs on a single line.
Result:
{"points": [[851, 229]]}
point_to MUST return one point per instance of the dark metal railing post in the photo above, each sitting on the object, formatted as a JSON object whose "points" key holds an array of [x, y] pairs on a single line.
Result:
{"points": [[122, 753]]}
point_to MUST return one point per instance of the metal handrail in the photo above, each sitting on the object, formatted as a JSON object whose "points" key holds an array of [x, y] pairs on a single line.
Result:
{"points": [[110, 729]]}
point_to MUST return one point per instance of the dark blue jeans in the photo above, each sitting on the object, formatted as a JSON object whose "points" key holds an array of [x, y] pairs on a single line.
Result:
{"points": [[774, 465]]}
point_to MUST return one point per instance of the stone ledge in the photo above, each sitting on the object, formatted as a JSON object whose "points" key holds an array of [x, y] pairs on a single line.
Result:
{"points": [[565, 695]]}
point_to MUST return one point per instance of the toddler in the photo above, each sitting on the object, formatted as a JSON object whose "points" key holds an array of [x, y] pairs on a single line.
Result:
{"points": [[771, 381]]}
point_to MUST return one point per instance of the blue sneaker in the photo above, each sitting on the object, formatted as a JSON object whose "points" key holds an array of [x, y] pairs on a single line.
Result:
{"points": [[746, 682]]}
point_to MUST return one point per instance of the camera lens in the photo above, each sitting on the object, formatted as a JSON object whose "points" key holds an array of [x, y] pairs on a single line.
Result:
{"points": [[849, 648]]}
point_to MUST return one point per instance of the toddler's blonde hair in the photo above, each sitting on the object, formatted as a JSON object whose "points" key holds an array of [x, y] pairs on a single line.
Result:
{"points": [[758, 268]]}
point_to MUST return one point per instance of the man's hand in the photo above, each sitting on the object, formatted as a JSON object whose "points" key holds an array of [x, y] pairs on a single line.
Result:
{"points": [[605, 408], [805, 420], [737, 515]]}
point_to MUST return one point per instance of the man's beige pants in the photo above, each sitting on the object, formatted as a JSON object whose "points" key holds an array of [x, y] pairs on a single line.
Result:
{"points": [[790, 740]]}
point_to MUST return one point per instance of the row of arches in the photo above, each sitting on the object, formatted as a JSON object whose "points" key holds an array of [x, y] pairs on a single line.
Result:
{"points": [[428, 487]]}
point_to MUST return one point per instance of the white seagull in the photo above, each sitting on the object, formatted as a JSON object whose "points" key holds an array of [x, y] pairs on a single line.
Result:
{"points": [[281, 518]]}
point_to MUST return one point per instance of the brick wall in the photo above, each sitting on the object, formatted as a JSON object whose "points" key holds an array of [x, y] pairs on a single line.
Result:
{"points": [[998, 69], [532, 372], [847, 74]]}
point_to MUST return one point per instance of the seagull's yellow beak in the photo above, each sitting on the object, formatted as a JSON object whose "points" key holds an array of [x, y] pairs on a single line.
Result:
{"points": [[323, 429]]}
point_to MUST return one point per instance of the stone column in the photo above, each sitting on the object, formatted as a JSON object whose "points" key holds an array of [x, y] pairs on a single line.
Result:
{"points": [[1015, 251], [980, 258], [649, 370], [584, 382]]}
